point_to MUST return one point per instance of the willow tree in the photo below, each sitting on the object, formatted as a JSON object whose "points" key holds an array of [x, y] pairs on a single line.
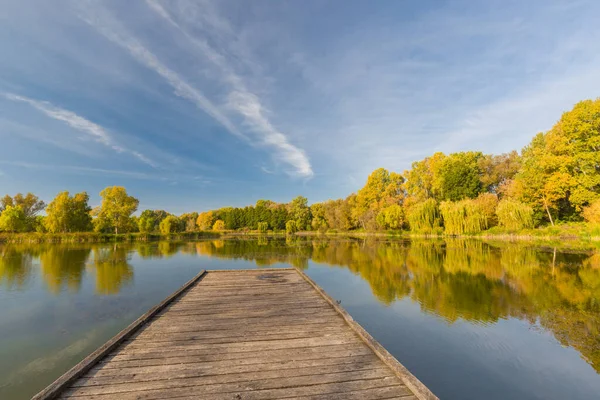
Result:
{"points": [[514, 215], [463, 217], [424, 217]]}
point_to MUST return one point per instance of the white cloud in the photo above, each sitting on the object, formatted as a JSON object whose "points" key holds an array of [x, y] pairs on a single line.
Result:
{"points": [[79, 123], [243, 102]]}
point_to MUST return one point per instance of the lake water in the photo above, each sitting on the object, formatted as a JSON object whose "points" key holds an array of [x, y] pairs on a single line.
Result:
{"points": [[470, 319]]}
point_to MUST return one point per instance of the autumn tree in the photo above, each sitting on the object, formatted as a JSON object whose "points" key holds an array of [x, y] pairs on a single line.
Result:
{"points": [[189, 221], [421, 178], [319, 222], [591, 213], [116, 209], [338, 214], [205, 220], [68, 214], [219, 225], [561, 168], [497, 170], [382, 189]]}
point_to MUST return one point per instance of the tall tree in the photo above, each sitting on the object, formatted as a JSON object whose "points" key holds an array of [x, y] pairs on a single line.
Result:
{"points": [[115, 211], [68, 214], [300, 212], [561, 168], [420, 179]]}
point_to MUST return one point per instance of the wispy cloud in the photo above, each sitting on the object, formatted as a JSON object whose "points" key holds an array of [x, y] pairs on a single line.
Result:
{"points": [[107, 26], [79, 123], [243, 102], [85, 170]]}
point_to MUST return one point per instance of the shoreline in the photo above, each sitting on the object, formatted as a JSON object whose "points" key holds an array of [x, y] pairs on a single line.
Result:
{"points": [[93, 237]]}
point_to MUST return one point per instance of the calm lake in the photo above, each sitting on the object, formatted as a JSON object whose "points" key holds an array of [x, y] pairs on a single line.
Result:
{"points": [[470, 319]]}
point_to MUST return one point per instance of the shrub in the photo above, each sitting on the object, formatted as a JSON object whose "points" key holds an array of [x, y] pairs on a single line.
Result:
{"points": [[514, 215], [591, 213], [424, 217]]}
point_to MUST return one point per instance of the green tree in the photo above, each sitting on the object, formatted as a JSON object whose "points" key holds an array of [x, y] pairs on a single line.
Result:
{"points": [[13, 219], [300, 212], [458, 176], [147, 221], [171, 224], [115, 211], [68, 214]]}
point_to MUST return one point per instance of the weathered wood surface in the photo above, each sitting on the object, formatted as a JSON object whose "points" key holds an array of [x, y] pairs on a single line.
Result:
{"points": [[254, 334]]}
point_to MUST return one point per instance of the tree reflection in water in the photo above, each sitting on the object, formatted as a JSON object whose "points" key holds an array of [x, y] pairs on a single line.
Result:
{"points": [[471, 280]]}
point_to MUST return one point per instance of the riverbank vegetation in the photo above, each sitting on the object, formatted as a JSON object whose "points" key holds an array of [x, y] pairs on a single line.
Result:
{"points": [[551, 186]]}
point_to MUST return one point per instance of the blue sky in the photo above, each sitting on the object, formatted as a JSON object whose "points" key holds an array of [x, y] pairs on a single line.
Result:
{"points": [[193, 105]]}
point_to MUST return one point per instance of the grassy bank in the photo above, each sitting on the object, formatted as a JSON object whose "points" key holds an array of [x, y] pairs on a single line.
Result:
{"points": [[93, 237]]}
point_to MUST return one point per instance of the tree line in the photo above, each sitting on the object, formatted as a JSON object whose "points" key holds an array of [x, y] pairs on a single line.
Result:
{"points": [[554, 178]]}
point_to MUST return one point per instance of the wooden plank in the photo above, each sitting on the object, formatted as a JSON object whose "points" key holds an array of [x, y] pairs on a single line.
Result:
{"points": [[229, 383], [257, 364], [238, 346], [118, 360], [211, 373], [197, 392], [421, 391], [82, 367]]}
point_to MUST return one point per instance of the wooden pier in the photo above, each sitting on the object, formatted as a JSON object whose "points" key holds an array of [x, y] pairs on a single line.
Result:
{"points": [[241, 335]]}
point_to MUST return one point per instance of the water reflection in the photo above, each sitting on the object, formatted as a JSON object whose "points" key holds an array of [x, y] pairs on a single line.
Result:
{"points": [[476, 281]]}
